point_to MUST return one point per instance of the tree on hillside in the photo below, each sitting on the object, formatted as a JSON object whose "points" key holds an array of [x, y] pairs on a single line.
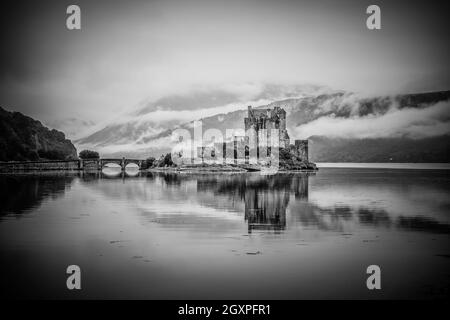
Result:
{"points": [[89, 154]]}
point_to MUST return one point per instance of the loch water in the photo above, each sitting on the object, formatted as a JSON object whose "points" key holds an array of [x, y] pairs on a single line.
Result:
{"points": [[226, 236]]}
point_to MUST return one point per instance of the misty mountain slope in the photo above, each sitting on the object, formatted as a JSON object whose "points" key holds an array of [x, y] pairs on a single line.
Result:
{"points": [[350, 120], [155, 118], [435, 149], [195, 100], [345, 104]]}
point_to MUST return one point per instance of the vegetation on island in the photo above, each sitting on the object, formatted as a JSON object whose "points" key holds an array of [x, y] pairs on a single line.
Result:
{"points": [[289, 161], [89, 154], [164, 161]]}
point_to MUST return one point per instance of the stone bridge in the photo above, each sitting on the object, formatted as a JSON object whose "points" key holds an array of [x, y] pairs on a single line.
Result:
{"points": [[121, 162], [81, 164]]}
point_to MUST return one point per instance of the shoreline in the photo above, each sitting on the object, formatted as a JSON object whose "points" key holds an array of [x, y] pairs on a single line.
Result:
{"points": [[236, 169], [386, 165]]}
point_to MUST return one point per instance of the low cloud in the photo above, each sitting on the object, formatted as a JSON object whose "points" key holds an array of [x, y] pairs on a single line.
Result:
{"points": [[72, 127], [416, 123], [183, 116]]}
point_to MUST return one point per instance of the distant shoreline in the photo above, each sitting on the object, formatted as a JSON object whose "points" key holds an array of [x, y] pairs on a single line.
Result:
{"points": [[385, 165]]}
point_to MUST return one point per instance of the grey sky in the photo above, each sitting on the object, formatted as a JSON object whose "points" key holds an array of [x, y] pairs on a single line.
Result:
{"points": [[131, 50]]}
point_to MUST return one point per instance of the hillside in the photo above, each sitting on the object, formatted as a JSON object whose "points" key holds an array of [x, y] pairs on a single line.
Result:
{"points": [[427, 150], [23, 138]]}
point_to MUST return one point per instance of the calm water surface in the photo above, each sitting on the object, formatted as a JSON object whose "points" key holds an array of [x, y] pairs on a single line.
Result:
{"points": [[167, 236]]}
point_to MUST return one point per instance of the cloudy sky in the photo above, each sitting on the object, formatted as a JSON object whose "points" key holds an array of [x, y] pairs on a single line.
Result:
{"points": [[129, 51]]}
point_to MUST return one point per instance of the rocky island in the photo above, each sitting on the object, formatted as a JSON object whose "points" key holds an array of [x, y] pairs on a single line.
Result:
{"points": [[265, 145]]}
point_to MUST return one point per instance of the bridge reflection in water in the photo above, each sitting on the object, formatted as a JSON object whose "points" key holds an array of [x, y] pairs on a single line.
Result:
{"points": [[109, 172]]}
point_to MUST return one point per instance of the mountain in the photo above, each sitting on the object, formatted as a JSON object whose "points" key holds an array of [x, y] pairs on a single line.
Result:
{"points": [[341, 126], [426, 150], [23, 138], [154, 118]]}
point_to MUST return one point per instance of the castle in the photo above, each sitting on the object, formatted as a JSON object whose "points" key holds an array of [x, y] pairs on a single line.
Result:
{"points": [[258, 127], [265, 133]]}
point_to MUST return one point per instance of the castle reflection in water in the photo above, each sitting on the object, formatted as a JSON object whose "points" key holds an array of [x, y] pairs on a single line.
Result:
{"points": [[265, 197], [334, 201]]}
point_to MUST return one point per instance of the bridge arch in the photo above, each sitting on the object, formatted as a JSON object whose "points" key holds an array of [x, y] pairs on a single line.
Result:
{"points": [[132, 161], [104, 162], [121, 162]]}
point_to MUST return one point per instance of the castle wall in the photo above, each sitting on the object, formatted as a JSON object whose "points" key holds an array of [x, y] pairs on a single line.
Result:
{"points": [[240, 144], [199, 159], [209, 155]]}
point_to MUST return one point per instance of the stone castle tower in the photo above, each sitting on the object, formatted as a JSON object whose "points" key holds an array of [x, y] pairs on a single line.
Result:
{"points": [[258, 125], [268, 119]]}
